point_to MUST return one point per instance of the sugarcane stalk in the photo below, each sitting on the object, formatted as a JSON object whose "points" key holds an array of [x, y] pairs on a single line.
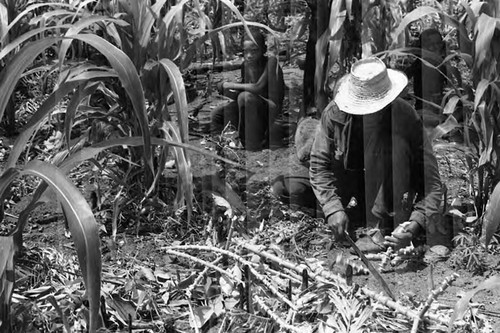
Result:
{"points": [[433, 295], [260, 277], [275, 317], [200, 276], [204, 263], [329, 276]]}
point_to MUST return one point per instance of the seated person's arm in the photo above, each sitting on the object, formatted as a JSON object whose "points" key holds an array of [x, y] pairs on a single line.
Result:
{"points": [[270, 75]]}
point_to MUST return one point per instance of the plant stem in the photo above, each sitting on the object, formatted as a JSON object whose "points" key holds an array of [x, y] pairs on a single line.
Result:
{"points": [[253, 271], [326, 276], [275, 317], [432, 296]]}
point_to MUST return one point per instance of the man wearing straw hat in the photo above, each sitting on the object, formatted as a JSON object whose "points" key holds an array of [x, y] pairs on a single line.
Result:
{"points": [[371, 164]]}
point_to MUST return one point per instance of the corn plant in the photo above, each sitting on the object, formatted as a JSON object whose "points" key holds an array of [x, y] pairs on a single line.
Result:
{"points": [[481, 20], [131, 62], [81, 223]]}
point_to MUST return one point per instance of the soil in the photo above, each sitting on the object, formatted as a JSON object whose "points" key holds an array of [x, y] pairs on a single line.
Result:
{"points": [[411, 282]]}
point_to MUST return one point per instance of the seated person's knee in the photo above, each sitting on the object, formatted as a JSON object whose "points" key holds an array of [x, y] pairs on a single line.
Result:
{"points": [[246, 97]]}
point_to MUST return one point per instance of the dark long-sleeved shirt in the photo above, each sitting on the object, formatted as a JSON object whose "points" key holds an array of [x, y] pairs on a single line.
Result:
{"points": [[344, 146]]}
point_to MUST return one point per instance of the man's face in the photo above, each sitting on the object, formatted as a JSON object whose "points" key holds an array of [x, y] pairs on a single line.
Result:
{"points": [[251, 51]]}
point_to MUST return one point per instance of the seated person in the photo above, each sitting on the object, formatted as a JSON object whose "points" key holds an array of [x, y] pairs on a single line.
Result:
{"points": [[371, 165], [429, 81], [257, 100]]}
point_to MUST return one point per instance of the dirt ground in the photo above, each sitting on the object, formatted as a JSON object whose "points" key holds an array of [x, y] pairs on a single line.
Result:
{"points": [[411, 282]]}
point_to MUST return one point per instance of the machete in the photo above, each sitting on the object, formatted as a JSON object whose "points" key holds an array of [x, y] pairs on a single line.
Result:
{"points": [[370, 267]]}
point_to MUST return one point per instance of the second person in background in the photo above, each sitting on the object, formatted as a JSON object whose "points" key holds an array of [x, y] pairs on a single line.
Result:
{"points": [[257, 100]]}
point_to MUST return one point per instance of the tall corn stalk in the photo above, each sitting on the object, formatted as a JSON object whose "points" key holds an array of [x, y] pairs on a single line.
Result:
{"points": [[351, 29], [124, 55], [478, 35]]}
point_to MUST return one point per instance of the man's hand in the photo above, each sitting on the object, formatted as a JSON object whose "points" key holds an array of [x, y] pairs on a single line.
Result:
{"points": [[337, 222], [401, 237]]}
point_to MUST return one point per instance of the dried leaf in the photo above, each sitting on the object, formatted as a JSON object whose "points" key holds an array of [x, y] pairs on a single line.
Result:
{"points": [[122, 307], [146, 273], [201, 315], [221, 202]]}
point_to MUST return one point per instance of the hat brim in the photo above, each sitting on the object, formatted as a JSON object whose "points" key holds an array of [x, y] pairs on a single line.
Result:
{"points": [[355, 105]]}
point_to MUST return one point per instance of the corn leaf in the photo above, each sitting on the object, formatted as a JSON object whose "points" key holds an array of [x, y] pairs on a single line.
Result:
{"points": [[14, 69], [16, 43], [7, 278], [82, 225], [79, 26], [484, 30], [491, 220], [130, 81], [148, 19], [480, 89], [450, 106], [81, 93], [37, 118], [240, 17], [170, 46], [4, 20], [28, 9], [183, 169], [191, 50], [491, 283], [178, 88], [414, 15], [337, 18], [90, 152]]}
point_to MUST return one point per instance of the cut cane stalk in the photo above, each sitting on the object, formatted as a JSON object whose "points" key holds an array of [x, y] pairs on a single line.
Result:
{"points": [[434, 294], [277, 319], [173, 250]]}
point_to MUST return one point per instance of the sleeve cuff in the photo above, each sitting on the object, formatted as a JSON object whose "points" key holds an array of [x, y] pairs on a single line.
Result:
{"points": [[332, 207], [419, 218]]}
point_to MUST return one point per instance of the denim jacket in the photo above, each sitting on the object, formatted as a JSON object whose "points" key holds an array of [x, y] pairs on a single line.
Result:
{"points": [[339, 152]]}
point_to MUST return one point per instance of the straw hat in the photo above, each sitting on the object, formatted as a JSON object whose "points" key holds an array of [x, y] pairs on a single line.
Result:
{"points": [[369, 87]]}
